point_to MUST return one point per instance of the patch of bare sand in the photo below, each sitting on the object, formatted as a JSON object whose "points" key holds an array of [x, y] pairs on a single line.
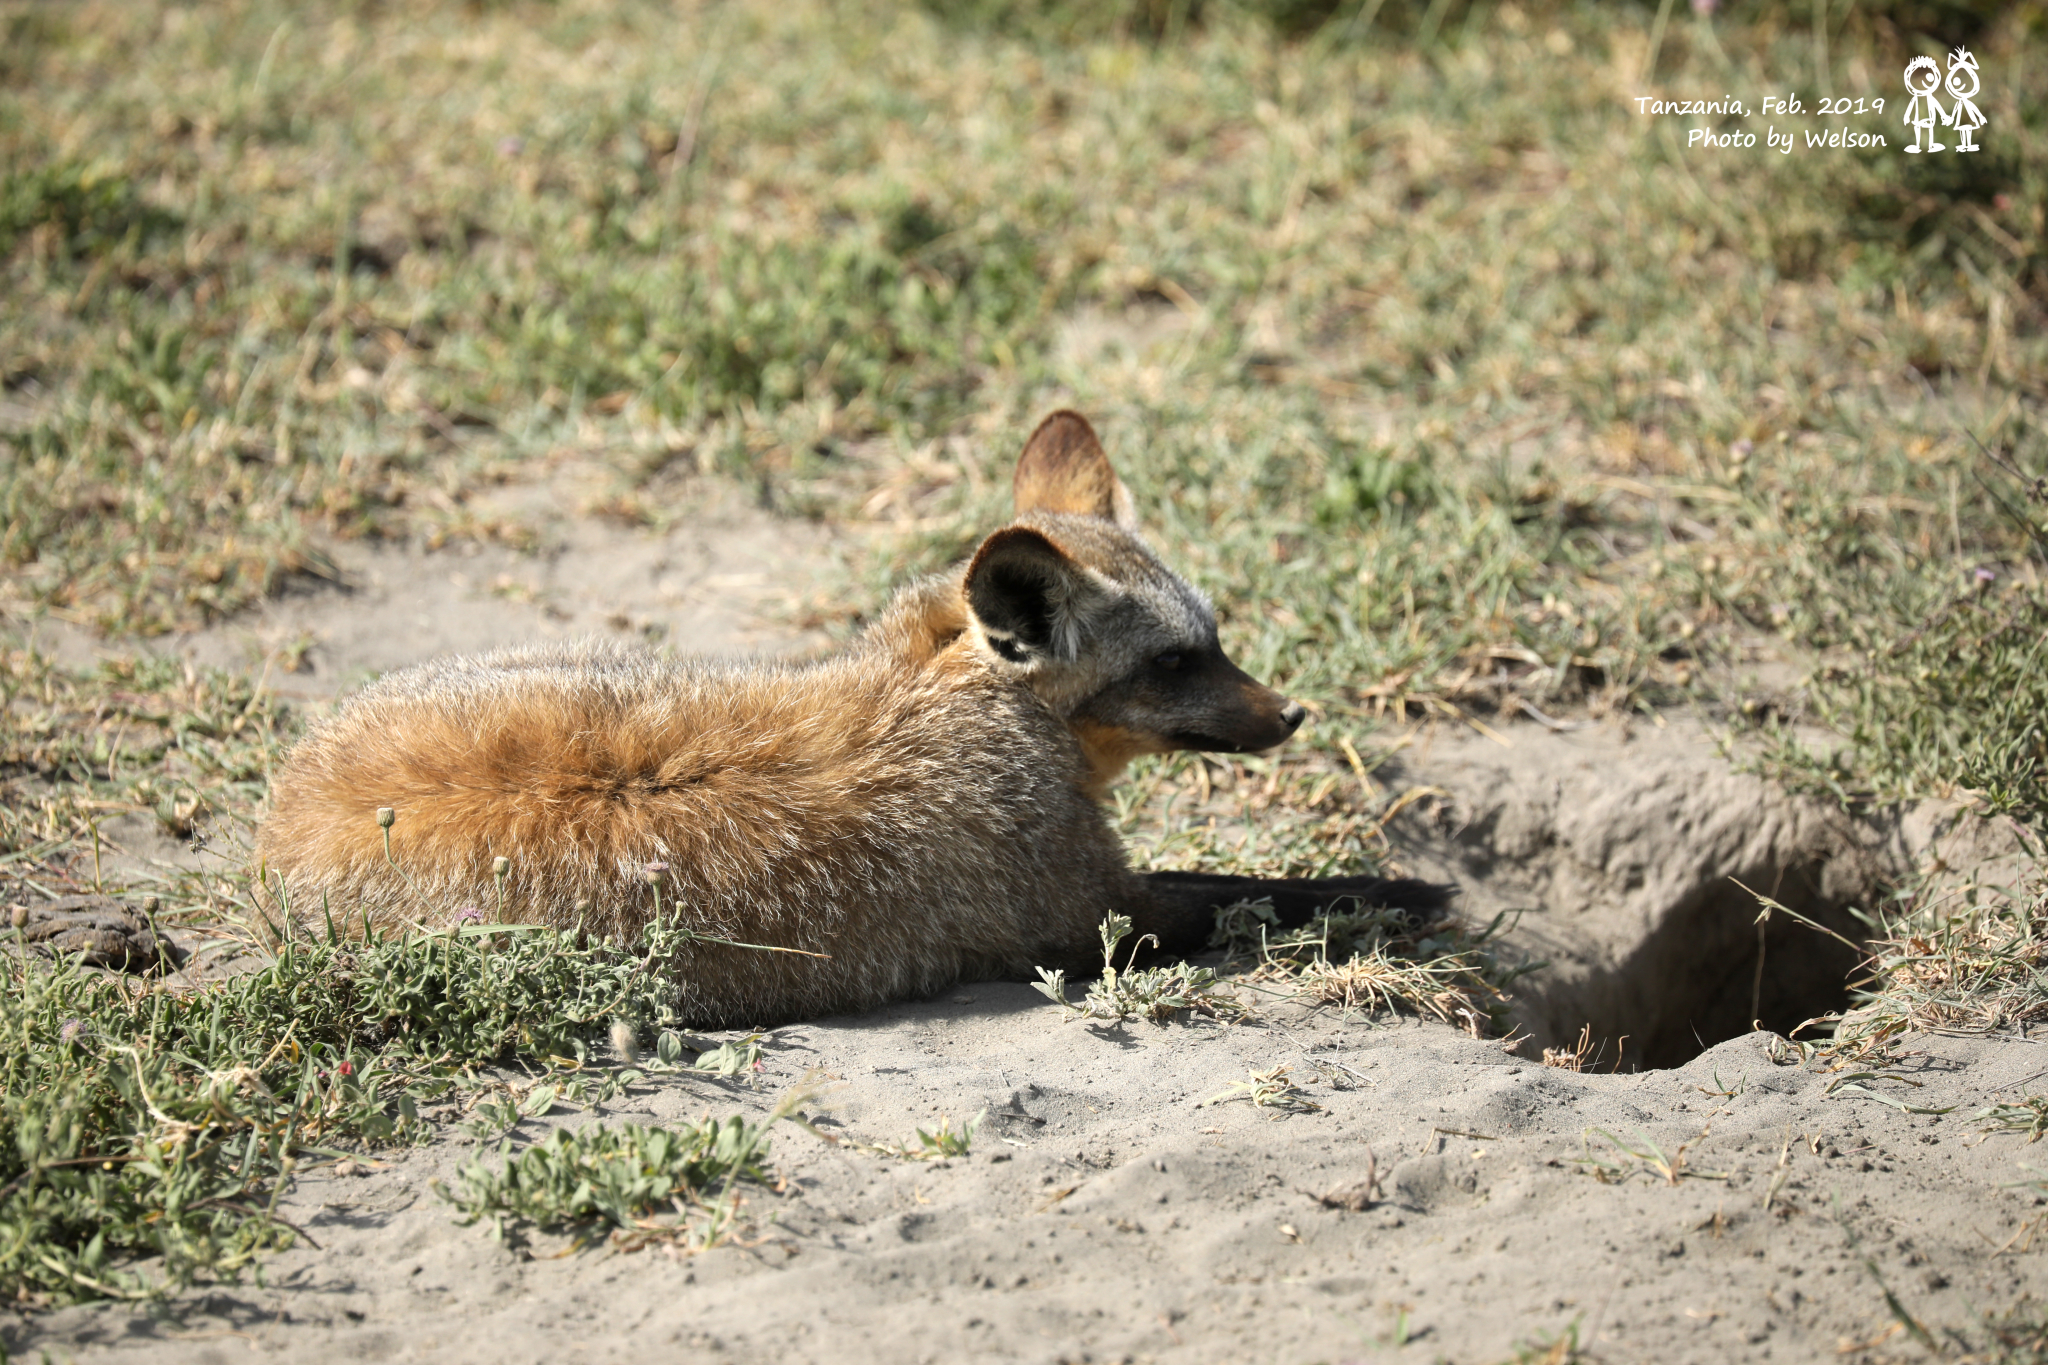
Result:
{"points": [[1442, 1200], [726, 578]]}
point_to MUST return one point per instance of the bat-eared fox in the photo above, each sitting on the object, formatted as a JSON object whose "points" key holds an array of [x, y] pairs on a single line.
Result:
{"points": [[922, 809]]}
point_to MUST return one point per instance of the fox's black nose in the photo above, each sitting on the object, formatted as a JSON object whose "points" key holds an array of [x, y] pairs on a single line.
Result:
{"points": [[1291, 716]]}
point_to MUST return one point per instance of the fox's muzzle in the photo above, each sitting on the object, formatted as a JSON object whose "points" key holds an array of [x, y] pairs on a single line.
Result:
{"points": [[1246, 714]]}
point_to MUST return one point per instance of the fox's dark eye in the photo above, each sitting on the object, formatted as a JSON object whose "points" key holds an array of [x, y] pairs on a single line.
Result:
{"points": [[1171, 662]]}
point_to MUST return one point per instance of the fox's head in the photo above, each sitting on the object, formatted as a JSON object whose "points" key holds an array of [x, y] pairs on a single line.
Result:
{"points": [[1071, 600]]}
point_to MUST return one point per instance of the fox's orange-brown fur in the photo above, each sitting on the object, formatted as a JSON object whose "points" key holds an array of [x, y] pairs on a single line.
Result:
{"points": [[922, 809]]}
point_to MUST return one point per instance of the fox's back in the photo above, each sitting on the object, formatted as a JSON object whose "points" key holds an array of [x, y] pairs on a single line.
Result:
{"points": [[869, 807]]}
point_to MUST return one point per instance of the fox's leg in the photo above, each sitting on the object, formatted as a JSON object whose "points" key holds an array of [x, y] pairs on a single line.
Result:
{"points": [[1179, 908]]}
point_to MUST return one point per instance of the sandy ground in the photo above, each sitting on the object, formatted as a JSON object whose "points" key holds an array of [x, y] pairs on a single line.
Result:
{"points": [[1104, 1215], [1442, 1200]]}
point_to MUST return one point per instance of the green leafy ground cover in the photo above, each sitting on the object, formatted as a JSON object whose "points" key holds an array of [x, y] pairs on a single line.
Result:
{"points": [[163, 1124], [1463, 387]]}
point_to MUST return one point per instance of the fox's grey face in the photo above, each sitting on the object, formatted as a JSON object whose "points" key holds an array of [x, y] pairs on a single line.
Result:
{"points": [[1173, 685], [1191, 696], [1072, 599], [1125, 651]]}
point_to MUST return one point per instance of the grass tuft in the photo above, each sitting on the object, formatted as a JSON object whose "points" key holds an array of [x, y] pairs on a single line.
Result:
{"points": [[1980, 968]]}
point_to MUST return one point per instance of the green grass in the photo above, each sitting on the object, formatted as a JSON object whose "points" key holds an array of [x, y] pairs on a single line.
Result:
{"points": [[1446, 310], [645, 1183], [193, 749], [1459, 385]]}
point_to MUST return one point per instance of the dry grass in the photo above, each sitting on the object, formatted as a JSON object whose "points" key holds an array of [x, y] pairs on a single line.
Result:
{"points": [[1273, 1088], [1618, 1158], [1373, 961], [1979, 969], [1575, 1057], [1451, 988]]}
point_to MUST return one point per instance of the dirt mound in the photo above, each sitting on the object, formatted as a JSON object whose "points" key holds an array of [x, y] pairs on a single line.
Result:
{"points": [[1629, 860]]}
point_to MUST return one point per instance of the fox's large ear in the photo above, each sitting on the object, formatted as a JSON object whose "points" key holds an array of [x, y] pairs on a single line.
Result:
{"points": [[1063, 469], [1027, 596]]}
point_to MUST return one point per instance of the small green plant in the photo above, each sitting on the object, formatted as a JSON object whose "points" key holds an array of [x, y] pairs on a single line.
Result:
{"points": [[934, 1144], [1723, 1090], [1155, 993], [494, 1118], [739, 1058], [947, 1141], [736, 1057], [672, 1184], [609, 1084]]}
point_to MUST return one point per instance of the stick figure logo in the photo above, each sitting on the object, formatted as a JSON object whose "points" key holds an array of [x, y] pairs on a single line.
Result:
{"points": [[1924, 82], [1964, 116], [1923, 110]]}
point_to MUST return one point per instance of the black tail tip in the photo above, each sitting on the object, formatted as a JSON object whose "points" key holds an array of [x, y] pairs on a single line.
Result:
{"points": [[1412, 893], [1418, 904]]}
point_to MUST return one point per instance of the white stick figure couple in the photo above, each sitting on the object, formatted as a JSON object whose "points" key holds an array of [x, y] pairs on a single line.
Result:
{"points": [[1923, 110]]}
